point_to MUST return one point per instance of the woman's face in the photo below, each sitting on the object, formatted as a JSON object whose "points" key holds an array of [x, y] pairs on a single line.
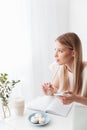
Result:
{"points": [[63, 55]]}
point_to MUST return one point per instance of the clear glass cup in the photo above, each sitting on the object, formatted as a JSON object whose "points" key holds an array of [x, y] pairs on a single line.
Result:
{"points": [[19, 105]]}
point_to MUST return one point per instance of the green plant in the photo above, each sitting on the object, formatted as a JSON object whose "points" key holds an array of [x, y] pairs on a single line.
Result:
{"points": [[6, 87]]}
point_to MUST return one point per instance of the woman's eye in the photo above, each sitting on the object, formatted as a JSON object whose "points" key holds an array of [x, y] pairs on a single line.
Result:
{"points": [[60, 51]]}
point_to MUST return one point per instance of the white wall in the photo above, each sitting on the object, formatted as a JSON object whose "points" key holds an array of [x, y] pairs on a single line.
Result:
{"points": [[78, 21]]}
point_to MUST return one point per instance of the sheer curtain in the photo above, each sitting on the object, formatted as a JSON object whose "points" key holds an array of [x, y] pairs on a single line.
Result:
{"points": [[49, 18], [15, 45], [28, 29]]}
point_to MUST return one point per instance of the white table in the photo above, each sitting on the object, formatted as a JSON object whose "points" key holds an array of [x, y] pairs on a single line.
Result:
{"points": [[22, 122]]}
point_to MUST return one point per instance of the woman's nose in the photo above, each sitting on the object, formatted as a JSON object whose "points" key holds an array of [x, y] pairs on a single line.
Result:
{"points": [[55, 54]]}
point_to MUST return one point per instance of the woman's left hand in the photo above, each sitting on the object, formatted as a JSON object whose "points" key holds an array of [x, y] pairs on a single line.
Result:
{"points": [[69, 98]]}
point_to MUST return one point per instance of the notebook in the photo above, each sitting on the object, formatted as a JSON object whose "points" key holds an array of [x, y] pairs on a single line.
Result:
{"points": [[50, 104]]}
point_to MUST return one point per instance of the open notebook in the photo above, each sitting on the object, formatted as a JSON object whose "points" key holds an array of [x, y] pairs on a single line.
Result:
{"points": [[50, 104]]}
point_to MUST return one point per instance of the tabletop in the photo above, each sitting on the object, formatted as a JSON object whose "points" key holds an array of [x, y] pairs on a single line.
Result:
{"points": [[22, 122]]}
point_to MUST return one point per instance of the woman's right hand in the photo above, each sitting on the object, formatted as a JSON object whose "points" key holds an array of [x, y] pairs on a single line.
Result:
{"points": [[48, 88]]}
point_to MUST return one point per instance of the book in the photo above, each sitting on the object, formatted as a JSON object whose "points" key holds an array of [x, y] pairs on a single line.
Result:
{"points": [[50, 104]]}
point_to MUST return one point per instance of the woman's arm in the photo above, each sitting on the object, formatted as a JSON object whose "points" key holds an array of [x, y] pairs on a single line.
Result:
{"points": [[81, 99], [71, 97], [56, 84]]}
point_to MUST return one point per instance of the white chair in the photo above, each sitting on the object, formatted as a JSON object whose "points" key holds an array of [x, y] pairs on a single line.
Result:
{"points": [[80, 117]]}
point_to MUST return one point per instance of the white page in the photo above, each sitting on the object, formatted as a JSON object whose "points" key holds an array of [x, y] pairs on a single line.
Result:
{"points": [[40, 103], [57, 108]]}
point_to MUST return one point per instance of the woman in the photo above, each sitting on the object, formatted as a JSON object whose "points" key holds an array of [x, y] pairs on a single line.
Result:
{"points": [[71, 73]]}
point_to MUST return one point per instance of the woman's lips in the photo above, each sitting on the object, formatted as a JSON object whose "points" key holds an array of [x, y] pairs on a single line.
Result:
{"points": [[57, 60]]}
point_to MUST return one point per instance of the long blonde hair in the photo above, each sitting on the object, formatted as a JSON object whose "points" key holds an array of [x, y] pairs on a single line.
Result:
{"points": [[73, 42]]}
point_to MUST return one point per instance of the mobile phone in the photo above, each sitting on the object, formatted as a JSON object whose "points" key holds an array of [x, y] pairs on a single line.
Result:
{"points": [[60, 94]]}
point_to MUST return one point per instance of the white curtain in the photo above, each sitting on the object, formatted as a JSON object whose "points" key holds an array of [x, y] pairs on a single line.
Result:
{"points": [[49, 18], [15, 47], [28, 29]]}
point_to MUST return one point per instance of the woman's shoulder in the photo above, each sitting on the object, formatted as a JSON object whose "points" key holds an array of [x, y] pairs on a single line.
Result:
{"points": [[84, 65]]}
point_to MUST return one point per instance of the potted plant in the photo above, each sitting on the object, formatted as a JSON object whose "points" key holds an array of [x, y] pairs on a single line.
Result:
{"points": [[6, 87]]}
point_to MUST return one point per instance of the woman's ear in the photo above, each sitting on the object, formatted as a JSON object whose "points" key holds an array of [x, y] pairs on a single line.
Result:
{"points": [[73, 53]]}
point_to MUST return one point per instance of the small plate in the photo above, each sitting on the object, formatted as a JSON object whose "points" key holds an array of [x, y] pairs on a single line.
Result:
{"points": [[45, 115]]}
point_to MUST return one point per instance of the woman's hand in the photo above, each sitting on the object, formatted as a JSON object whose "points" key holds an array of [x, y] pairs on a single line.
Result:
{"points": [[69, 98], [48, 88]]}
